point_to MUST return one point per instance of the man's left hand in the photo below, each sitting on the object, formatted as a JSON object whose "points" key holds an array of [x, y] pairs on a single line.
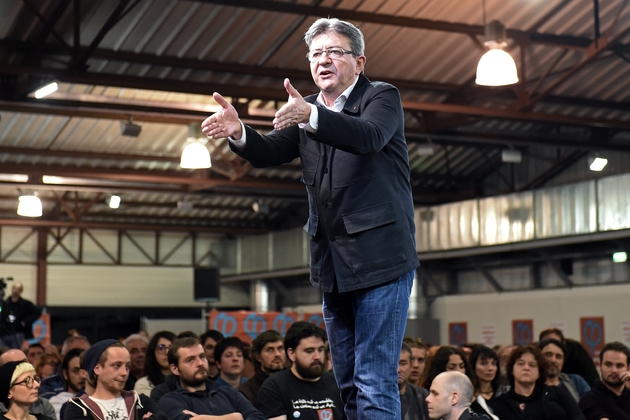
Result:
{"points": [[294, 112]]}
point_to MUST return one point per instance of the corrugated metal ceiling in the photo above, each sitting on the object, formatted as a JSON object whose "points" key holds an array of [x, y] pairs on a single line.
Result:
{"points": [[160, 61]]}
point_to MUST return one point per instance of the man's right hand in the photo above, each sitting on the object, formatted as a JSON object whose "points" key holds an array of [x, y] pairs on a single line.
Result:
{"points": [[224, 123]]}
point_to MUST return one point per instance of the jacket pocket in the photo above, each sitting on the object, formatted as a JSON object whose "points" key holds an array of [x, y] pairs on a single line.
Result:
{"points": [[374, 240], [309, 160]]}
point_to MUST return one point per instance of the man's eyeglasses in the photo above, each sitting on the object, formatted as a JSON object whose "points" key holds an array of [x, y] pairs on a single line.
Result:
{"points": [[334, 53], [29, 382], [161, 348]]}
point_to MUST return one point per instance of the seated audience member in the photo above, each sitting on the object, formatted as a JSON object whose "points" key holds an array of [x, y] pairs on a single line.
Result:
{"points": [[54, 384], [248, 364], [73, 379], [33, 352], [170, 381], [137, 346], [46, 365], [449, 397], [610, 398], [576, 358], [88, 386], [41, 407], [446, 359], [156, 364], [18, 390], [304, 391], [504, 353], [51, 348], [228, 356], [485, 367], [529, 398], [412, 404], [553, 352], [209, 340], [107, 367], [196, 394], [269, 358], [419, 354]]}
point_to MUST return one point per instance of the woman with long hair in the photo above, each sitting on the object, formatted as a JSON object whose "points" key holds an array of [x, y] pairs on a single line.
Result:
{"points": [[447, 358], [156, 364], [484, 363], [529, 398], [19, 387]]}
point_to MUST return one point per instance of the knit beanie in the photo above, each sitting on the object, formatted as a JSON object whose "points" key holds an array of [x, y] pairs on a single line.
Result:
{"points": [[91, 356], [6, 373]]}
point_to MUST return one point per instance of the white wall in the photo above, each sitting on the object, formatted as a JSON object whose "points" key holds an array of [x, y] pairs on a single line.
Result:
{"points": [[117, 286], [561, 307], [74, 285]]}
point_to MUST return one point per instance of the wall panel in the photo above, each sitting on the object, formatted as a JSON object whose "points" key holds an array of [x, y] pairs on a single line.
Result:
{"points": [[544, 307], [130, 286]]}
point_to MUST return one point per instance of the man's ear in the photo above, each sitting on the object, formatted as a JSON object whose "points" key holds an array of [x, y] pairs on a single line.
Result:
{"points": [[291, 354], [454, 398], [174, 370], [97, 369]]}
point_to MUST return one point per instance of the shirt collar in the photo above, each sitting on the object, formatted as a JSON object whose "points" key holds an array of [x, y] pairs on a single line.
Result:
{"points": [[341, 99]]}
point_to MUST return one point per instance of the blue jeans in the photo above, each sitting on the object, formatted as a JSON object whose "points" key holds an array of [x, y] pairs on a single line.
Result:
{"points": [[365, 329]]}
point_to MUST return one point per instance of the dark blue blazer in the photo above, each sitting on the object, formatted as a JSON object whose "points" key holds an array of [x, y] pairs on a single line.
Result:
{"points": [[356, 172]]}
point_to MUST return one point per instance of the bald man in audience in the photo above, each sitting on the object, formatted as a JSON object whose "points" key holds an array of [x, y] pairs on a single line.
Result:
{"points": [[450, 396], [41, 407]]}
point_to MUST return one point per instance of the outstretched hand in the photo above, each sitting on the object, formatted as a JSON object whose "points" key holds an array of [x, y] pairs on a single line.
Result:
{"points": [[223, 123], [294, 112]]}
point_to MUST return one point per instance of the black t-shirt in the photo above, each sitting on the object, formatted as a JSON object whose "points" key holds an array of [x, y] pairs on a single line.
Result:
{"points": [[412, 404], [285, 394]]}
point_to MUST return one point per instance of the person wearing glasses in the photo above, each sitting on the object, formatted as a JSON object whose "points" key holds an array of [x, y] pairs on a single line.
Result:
{"points": [[40, 408], [156, 364], [355, 165], [19, 386]]}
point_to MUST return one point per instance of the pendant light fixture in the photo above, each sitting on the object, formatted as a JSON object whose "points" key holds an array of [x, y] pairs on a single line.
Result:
{"points": [[496, 67], [29, 205], [195, 154]]}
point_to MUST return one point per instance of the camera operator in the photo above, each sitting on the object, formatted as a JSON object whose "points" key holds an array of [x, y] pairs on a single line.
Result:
{"points": [[16, 318]]}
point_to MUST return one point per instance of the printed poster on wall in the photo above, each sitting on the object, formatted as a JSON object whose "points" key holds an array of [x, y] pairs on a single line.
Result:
{"points": [[522, 332], [489, 335], [41, 331], [247, 325], [457, 333], [592, 336]]}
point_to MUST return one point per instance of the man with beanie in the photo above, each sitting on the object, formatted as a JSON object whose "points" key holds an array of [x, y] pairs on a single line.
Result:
{"points": [[41, 407], [107, 366]]}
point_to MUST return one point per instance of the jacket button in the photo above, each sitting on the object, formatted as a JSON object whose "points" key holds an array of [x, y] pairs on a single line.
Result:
{"points": [[325, 204], [325, 170], [332, 238]]}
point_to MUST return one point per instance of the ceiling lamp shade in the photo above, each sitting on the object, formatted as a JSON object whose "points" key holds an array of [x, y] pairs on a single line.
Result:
{"points": [[195, 155], [598, 164], [496, 67], [46, 90], [29, 206], [114, 201]]}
